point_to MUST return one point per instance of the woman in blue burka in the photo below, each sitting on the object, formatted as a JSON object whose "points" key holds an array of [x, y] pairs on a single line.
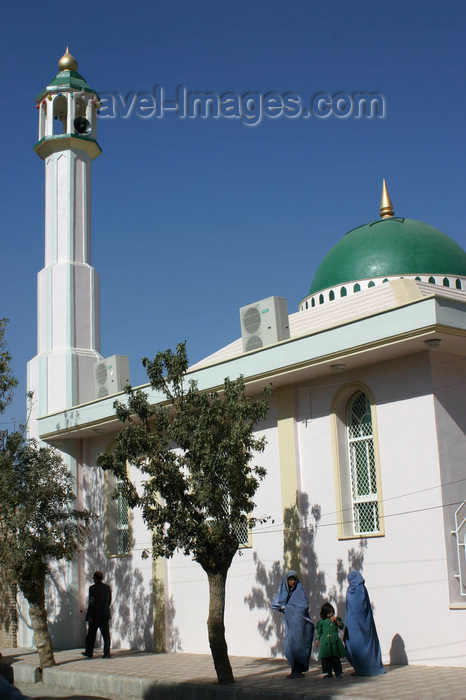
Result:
{"points": [[292, 601], [361, 640]]}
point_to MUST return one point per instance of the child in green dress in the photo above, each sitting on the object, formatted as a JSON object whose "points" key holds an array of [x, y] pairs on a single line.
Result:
{"points": [[328, 642]]}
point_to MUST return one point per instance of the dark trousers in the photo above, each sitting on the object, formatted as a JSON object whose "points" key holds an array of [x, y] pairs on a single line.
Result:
{"points": [[331, 663], [101, 624]]}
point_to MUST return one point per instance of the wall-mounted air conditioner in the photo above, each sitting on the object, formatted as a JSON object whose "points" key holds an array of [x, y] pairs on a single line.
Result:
{"points": [[264, 322], [111, 375]]}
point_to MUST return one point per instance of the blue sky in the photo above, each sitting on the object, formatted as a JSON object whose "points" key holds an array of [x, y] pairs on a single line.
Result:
{"points": [[195, 218]]}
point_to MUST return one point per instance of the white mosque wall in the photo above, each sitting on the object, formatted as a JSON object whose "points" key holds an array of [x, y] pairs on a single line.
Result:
{"points": [[130, 576], [448, 377], [406, 570], [186, 586], [247, 598]]}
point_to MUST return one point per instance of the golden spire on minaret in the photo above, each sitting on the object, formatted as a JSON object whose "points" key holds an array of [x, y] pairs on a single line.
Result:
{"points": [[67, 61], [386, 206]]}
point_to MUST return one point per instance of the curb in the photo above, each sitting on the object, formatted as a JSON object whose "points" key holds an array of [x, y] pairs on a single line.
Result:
{"points": [[23, 673], [131, 688]]}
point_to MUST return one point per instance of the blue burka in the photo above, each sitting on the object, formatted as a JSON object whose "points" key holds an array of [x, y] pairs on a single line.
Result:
{"points": [[299, 629], [361, 640]]}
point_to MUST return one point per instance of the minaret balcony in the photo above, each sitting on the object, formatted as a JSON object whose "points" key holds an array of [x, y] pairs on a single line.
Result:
{"points": [[60, 142]]}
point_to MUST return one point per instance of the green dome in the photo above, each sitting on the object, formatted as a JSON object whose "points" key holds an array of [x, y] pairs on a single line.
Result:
{"points": [[389, 247]]}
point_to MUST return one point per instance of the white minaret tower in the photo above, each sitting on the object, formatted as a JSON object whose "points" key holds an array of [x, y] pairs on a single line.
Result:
{"points": [[61, 375]]}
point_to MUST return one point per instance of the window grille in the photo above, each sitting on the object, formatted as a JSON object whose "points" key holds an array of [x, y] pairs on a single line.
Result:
{"points": [[118, 519], [241, 528], [460, 533], [122, 523], [362, 465]]}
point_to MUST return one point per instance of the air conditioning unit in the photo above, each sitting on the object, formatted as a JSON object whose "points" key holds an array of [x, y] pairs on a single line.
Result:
{"points": [[264, 322], [111, 375]]}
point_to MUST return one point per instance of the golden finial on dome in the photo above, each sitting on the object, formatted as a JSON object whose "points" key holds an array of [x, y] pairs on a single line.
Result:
{"points": [[67, 61], [386, 206]]}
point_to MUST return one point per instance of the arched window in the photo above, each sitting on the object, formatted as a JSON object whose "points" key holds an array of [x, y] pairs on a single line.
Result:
{"points": [[371, 284], [362, 465], [60, 114], [458, 284], [313, 302], [431, 280], [42, 119], [385, 280], [307, 304], [331, 295], [321, 299], [446, 282], [357, 287], [343, 292], [418, 279], [80, 106], [357, 468]]}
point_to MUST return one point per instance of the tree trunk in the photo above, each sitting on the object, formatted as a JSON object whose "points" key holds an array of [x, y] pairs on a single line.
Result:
{"points": [[38, 615], [216, 628]]}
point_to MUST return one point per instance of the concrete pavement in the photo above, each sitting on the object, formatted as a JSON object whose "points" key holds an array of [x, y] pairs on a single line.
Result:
{"points": [[130, 675]]}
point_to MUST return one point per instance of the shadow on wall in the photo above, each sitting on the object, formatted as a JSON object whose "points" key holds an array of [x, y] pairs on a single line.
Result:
{"points": [[132, 617], [173, 634], [61, 607], [300, 524], [398, 656], [8, 614], [132, 601], [271, 626], [132, 612]]}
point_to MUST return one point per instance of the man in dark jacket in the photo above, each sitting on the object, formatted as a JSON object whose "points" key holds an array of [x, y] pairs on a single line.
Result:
{"points": [[98, 615]]}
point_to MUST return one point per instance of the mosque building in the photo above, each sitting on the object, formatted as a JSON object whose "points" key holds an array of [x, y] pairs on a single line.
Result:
{"points": [[366, 446]]}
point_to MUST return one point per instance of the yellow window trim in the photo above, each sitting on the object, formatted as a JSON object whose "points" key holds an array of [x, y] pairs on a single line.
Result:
{"points": [[343, 395]]}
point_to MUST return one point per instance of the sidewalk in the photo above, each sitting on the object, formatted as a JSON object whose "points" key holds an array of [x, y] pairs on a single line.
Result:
{"points": [[142, 676]]}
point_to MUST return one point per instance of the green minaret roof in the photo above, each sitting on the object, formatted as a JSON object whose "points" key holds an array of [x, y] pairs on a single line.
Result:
{"points": [[389, 247], [68, 79]]}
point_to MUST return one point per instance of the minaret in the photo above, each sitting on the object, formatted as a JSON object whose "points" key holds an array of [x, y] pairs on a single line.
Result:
{"points": [[61, 374]]}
